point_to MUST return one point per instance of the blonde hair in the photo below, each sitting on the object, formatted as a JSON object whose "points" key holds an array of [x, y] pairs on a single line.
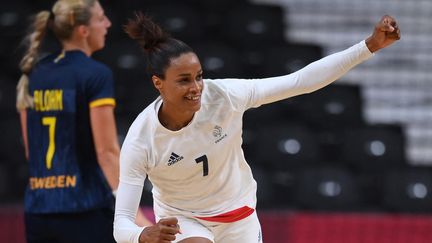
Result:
{"points": [[64, 17]]}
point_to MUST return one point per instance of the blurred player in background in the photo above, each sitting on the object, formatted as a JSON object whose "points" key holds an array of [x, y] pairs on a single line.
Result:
{"points": [[66, 104], [188, 141]]}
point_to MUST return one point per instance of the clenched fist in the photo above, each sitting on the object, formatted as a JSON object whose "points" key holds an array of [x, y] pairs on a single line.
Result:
{"points": [[386, 32], [162, 232]]}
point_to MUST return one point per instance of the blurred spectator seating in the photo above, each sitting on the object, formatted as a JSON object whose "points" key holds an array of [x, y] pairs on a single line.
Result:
{"points": [[408, 190], [374, 148]]}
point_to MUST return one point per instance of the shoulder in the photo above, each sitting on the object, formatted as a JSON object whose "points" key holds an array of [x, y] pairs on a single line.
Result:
{"points": [[82, 64], [216, 84], [93, 73], [143, 127], [138, 142], [215, 87], [226, 87], [95, 67], [227, 84], [99, 65], [234, 93]]}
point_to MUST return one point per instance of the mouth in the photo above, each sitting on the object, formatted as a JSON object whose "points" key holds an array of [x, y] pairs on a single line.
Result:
{"points": [[193, 97]]}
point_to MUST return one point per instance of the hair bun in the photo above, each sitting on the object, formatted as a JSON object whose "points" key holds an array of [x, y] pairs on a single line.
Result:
{"points": [[146, 32]]}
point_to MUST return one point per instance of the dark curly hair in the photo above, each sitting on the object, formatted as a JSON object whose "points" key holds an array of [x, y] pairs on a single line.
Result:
{"points": [[158, 46]]}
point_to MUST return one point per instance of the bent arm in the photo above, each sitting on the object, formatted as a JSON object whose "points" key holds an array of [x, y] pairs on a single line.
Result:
{"points": [[106, 143], [312, 77]]}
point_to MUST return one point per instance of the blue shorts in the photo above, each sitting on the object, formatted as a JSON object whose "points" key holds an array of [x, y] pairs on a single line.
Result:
{"points": [[84, 227]]}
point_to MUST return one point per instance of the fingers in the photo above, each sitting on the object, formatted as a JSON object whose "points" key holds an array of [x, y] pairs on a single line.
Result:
{"points": [[169, 226], [394, 35], [168, 221], [387, 24], [171, 223], [385, 33], [170, 230], [164, 231]]}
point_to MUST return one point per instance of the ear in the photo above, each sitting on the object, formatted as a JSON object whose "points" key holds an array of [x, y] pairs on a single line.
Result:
{"points": [[82, 31], [157, 82]]}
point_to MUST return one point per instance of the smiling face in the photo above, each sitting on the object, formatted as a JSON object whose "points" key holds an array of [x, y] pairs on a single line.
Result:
{"points": [[182, 86]]}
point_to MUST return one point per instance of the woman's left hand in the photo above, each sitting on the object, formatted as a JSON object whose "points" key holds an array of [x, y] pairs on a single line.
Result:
{"points": [[386, 32]]}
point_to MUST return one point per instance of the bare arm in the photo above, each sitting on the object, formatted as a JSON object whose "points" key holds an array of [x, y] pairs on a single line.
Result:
{"points": [[106, 144], [108, 149], [23, 120]]}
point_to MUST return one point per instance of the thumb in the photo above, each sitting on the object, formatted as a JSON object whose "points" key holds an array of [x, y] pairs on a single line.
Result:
{"points": [[387, 24], [387, 28]]}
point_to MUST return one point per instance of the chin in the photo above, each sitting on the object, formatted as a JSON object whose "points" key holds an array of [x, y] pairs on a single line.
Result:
{"points": [[196, 107]]}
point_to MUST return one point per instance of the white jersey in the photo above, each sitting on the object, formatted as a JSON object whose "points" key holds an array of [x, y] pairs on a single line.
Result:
{"points": [[200, 170], [188, 167]]}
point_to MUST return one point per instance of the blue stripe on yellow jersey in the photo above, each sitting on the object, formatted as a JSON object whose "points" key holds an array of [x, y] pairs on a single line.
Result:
{"points": [[64, 173]]}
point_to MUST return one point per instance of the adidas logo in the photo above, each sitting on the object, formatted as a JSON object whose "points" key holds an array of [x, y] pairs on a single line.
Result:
{"points": [[174, 158]]}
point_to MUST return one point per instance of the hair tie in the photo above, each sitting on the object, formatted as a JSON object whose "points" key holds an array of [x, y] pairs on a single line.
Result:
{"points": [[71, 18]]}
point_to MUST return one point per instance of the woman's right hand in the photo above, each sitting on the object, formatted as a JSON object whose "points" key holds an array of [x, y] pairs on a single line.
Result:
{"points": [[163, 231]]}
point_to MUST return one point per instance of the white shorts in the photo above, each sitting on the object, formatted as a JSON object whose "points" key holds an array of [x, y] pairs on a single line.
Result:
{"points": [[247, 230]]}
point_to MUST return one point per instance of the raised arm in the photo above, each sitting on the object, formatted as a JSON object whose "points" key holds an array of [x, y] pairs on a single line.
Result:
{"points": [[328, 69]]}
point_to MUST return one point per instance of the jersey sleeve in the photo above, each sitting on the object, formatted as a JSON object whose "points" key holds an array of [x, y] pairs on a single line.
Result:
{"points": [[240, 93], [310, 78], [247, 93], [127, 204], [132, 164], [132, 176], [100, 87]]}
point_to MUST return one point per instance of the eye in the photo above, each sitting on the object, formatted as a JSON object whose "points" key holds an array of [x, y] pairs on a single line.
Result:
{"points": [[199, 77], [184, 80]]}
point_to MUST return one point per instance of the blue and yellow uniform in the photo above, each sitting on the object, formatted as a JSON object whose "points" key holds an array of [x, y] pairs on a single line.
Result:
{"points": [[65, 177], [64, 173]]}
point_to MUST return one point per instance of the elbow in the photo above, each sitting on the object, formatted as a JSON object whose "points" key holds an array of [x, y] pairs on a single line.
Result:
{"points": [[107, 156]]}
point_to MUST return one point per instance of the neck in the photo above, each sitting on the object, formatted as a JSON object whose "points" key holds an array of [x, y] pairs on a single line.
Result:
{"points": [[75, 45], [174, 121]]}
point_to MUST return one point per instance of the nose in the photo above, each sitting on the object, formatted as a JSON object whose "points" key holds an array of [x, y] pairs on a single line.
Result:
{"points": [[108, 22], [197, 86]]}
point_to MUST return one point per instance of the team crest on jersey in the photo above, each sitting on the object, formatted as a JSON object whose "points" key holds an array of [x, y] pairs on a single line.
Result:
{"points": [[217, 133], [174, 158]]}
